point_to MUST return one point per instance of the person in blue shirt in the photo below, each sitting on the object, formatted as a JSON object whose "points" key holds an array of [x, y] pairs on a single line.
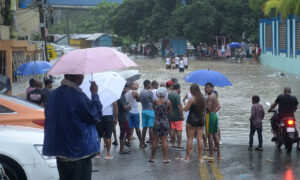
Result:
{"points": [[70, 133]]}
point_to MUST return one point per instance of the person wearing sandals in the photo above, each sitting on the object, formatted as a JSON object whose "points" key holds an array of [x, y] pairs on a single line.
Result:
{"points": [[176, 118], [123, 116], [195, 121], [257, 115], [162, 107], [134, 116]]}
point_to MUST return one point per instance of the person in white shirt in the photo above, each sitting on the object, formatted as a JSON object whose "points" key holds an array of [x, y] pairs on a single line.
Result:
{"points": [[223, 50], [154, 87], [106, 126], [181, 65], [168, 62], [186, 62], [133, 98], [176, 61]]}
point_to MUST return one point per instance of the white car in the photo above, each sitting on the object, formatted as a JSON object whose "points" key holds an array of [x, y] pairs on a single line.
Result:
{"points": [[21, 154]]}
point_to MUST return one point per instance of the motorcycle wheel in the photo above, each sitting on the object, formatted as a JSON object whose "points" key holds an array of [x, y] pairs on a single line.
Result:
{"points": [[288, 147], [278, 145]]}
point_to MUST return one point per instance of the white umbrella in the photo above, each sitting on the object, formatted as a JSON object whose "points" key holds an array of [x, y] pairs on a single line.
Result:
{"points": [[110, 86], [130, 75]]}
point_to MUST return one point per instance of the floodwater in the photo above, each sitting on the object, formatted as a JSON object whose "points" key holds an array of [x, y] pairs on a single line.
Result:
{"points": [[247, 79]]}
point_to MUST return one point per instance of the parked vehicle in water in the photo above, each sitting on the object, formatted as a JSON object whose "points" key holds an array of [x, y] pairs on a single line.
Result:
{"points": [[21, 154]]}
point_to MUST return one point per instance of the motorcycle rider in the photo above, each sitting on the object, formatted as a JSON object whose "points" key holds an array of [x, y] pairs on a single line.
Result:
{"points": [[288, 104]]}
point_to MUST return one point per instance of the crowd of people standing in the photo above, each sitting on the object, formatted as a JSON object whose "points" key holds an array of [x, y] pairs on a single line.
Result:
{"points": [[76, 141]]}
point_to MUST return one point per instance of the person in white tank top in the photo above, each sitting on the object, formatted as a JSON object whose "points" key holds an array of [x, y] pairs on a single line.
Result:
{"points": [[168, 62], [133, 98], [186, 62], [181, 65]]}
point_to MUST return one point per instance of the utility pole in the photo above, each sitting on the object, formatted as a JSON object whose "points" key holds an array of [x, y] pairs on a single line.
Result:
{"points": [[42, 11], [68, 27]]}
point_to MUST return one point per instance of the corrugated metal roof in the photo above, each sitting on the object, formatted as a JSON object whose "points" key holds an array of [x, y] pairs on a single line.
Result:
{"points": [[79, 36], [95, 36], [76, 2]]}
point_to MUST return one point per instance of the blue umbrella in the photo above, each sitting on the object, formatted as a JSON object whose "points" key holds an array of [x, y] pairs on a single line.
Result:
{"points": [[204, 76], [32, 68], [235, 44]]}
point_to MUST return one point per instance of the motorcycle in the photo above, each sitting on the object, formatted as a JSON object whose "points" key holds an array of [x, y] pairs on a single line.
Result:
{"points": [[287, 133]]}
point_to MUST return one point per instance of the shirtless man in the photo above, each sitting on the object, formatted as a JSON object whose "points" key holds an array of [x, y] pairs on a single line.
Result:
{"points": [[213, 106]]}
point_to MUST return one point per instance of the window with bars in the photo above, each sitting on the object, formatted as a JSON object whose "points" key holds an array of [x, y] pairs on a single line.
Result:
{"points": [[269, 38], [282, 36], [298, 35], [3, 62]]}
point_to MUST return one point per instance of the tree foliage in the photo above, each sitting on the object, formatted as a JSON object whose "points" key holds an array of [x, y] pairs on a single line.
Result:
{"points": [[151, 20], [283, 7]]}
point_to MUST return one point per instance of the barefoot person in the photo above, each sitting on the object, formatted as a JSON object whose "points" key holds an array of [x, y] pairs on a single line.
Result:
{"points": [[213, 107], [195, 121], [148, 115], [134, 116], [106, 126], [123, 116], [162, 108]]}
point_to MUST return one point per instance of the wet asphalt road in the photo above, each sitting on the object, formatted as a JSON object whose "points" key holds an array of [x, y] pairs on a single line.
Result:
{"points": [[238, 164]]}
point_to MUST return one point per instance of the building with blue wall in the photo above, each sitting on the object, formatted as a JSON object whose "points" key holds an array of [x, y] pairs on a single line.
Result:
{"points": [[178, 44], [99, 40], [280, 43]]}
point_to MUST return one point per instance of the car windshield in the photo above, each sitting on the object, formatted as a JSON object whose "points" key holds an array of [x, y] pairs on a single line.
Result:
{"points": [[22, 101]]}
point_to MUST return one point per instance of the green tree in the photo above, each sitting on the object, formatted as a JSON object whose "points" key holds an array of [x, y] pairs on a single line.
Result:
{"points": [[195, 21], [283, 7]]}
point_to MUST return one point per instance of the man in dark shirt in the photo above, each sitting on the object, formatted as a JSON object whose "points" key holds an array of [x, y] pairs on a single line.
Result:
{"points": [[176, 118], [37, 96], [48, 88], [287, 106], [123, 116]]}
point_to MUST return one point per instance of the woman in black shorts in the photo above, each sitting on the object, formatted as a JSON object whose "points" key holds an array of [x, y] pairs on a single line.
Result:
{"points": [[195, 121]]}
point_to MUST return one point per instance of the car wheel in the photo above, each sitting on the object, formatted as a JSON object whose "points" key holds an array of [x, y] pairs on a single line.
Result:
{"points": [[12, 169]]}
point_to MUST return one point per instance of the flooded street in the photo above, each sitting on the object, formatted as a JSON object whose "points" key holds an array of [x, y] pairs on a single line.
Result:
{"points": [[247, 80]]}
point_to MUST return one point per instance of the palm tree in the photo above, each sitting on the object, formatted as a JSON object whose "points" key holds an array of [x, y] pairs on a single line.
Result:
{"points": [[284, 7]]}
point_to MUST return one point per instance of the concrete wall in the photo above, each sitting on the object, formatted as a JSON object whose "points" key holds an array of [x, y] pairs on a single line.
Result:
{"points": [[281, 63], [287, 59], [4, 32], [28, 22]]}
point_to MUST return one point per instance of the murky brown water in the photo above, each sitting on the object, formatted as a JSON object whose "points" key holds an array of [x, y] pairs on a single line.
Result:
{"points": [[247, 80]]}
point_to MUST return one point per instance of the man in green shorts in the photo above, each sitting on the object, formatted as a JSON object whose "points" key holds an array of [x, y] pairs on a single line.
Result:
{"points": [[213, 107]]}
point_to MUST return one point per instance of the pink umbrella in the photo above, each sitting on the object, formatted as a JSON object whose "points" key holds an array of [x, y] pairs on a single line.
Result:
{"points": [[91, 60]]}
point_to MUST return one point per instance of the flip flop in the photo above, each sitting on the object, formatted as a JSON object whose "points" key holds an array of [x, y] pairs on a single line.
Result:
{"points": [[108, 158], [184, 160], [166, 162], [149, 160], [174, 147], [180, 148], [124, 152]]}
